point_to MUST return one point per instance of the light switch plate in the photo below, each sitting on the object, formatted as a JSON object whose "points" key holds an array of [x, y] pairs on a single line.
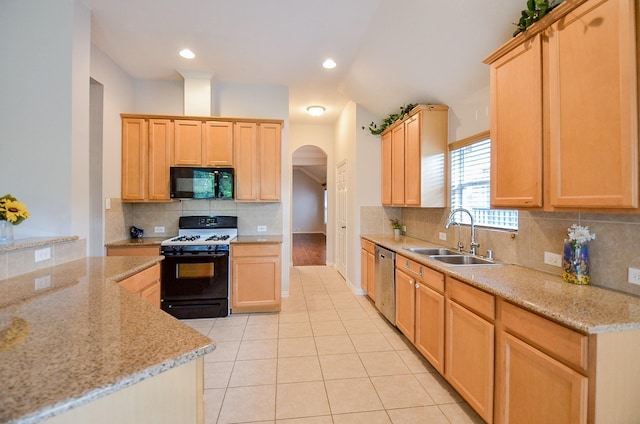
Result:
{"points": [[158, 229], [634, 276], [442, 236]]}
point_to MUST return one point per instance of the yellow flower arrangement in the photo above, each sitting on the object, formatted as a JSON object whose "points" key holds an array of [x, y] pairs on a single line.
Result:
{"points": [[12, 210]]}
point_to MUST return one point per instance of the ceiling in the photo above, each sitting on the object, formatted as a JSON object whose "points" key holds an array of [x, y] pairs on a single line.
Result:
{"points": [[389, 52]]}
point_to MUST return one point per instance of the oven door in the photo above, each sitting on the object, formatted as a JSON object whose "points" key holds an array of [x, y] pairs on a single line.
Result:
{"points": [[196, 286]]}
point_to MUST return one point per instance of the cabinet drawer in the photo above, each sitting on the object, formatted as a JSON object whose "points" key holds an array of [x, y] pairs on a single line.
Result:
{"points": [[139, 281], [253, 250], [368, 246], [558, 341], [476, 300]]}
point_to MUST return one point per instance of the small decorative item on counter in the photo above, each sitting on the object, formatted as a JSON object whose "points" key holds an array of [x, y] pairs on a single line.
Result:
{"points": [[396, 225], [135, 232], [12, 212], [575, 261]]}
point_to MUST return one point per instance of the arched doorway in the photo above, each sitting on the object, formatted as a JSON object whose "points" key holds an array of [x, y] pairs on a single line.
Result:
{"points": [[309, 206]]}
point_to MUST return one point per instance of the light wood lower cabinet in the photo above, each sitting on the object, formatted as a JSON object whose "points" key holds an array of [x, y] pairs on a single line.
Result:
{"points": [[255, 277], [368, 271], [469, 345], [145, 284], [420, 308]]}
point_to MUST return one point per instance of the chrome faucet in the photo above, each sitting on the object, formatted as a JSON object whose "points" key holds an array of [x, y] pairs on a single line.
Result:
{"points": [[473, 248]]}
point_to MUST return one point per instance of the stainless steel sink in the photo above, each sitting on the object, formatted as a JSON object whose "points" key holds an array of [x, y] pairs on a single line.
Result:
{"points": [[431, 251], [464, 260]]}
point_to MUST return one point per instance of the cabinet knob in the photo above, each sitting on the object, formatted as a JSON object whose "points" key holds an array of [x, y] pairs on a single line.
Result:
{"points": [[417, 285]]}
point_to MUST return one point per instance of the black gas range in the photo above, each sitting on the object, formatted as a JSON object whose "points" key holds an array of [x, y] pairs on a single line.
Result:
{"points": [[195, 270]]}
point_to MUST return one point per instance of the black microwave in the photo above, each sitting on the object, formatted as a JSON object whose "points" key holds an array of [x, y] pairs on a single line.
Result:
{"points": [[201, 183]]}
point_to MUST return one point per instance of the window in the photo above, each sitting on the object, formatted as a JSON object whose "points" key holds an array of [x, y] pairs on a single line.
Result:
{"points": [[470, 189]]}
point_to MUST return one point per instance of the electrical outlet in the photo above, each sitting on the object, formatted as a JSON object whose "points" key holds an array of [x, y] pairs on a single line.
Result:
{"points": [[43, 254], [442, 236], [552, 259], [262, 228], [107, 203], [158, 229], [634, 276], [43, 282]]}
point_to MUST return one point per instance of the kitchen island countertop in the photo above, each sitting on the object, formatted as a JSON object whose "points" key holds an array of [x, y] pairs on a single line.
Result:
{"points": [[589, 309], [69, 334]]}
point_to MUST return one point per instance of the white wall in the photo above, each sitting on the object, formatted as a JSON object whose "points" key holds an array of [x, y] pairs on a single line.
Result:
{"points": [[307, 204], [44, 81], [470, 115]]}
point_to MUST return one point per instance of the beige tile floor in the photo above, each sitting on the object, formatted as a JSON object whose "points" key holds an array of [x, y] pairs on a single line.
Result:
{"points": [[327, 357]]}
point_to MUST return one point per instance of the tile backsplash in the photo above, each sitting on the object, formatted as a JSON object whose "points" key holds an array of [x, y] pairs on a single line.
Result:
{"points": [[615, 248], [147, 216]]}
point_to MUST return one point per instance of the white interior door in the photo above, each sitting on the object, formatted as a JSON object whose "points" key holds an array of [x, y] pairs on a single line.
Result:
{"points": [[341, 219]]}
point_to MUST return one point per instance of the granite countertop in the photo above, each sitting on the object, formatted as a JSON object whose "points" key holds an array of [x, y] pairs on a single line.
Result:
{"points": [[589, 309], [27, 243], [70, 334], [140, 242], [257, 239]]}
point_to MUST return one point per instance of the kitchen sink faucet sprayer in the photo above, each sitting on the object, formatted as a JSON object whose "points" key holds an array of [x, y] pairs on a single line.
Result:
{"points": [[473, 248]]}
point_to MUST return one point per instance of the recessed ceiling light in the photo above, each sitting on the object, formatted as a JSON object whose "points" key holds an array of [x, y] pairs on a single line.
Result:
{"points": [[329, 64], [315, 110], [187, 54]]}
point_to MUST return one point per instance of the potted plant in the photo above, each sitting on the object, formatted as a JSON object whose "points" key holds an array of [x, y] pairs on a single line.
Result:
{"points": [[396, 225]]}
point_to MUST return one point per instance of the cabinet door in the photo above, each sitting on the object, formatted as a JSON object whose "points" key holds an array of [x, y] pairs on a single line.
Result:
{"points": [[386, 168], [413, 161], [364, 271], [217, 143], [255, 284], [371, 275], [429, 339], [134, 158], [593, 107], [160, 140], [187, 149], [469, 347], [246, 173], [532, 387], [397, 165], [405, 304], [269, 161], [516, 127]]}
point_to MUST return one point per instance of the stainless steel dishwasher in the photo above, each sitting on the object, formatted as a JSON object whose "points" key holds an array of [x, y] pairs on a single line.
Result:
{"points": [[386, 283]]}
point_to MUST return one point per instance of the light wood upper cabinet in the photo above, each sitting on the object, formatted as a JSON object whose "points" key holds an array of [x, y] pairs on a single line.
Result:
{"points": [[386, 168], [516, 127], [257, 158], [245, 136], [160, 140], [593, 107], [568, 88], [134, 158], [187, 148], [270, 145], [414, 159], [217, 143], [146, 159]]}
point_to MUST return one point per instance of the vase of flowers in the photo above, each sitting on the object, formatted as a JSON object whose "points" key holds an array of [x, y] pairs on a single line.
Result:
{"points": [[575, 260], [12, 212]]}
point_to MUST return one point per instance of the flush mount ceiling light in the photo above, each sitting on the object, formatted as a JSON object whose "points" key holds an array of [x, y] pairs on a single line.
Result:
{"points": [[187, 54], [329, 64], [315, 110]]}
